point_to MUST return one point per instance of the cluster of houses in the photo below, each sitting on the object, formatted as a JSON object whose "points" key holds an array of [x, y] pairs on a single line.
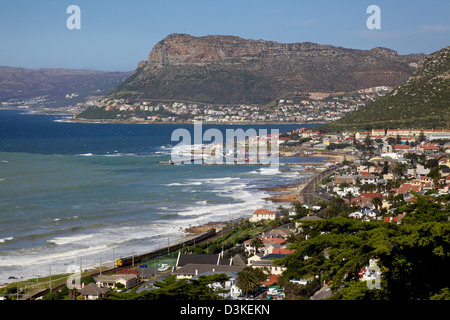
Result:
{"points": [[362, 184], [274, 245], [317, 107], [390, 143]]}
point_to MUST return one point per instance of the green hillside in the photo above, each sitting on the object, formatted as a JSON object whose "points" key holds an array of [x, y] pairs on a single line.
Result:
{"points": [[422, 102]]}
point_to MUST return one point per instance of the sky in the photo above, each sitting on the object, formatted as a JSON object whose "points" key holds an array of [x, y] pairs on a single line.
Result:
{"points": [[116, 35]]}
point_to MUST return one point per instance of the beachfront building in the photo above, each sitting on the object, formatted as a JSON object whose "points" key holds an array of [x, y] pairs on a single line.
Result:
{"points": [[111, 281], [263, 214]]}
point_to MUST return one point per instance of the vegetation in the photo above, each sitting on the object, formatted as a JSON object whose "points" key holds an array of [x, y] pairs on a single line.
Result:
{"points": [[422, 102], [413, 257], [249, 278]]}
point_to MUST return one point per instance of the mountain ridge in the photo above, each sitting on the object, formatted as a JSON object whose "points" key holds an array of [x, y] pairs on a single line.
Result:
{"points": [[423, 101], [55, 83], [233, 70]]}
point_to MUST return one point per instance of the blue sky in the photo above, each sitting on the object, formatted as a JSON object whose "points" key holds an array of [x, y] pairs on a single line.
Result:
{"points": [[116, 35]]}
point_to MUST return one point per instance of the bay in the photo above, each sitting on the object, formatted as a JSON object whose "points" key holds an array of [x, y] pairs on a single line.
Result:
{"points": [[72, 192]]}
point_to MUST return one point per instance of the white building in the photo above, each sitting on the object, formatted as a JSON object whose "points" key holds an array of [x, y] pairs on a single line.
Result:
{"points": [[263, 214]]}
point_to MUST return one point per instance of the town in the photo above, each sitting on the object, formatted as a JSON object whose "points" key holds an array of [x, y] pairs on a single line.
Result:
{"points": [[314, 107], [376, 179]]}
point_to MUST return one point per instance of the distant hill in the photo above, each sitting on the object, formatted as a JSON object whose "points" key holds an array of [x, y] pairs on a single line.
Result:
{"points": [[422, 102], [232, 70], [21, 83]]}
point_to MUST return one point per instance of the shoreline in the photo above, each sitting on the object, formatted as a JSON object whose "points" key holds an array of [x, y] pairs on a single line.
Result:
{"points": [[114, 121], [290, 193]]}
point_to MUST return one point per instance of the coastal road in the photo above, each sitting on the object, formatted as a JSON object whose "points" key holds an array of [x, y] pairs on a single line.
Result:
{"points": [[308, 194]]}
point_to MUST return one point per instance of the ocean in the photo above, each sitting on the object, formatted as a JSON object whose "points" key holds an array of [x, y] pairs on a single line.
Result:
{"points": [[90, 193]]}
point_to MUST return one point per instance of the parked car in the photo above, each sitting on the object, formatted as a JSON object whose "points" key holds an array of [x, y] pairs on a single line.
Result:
{"points": [[164, 267]]}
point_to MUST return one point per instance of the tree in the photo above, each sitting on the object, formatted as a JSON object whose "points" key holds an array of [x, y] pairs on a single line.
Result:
{"points": [[391, 141], [256, 243], [411, 256], [367, 141], [399, 169], [422, 136], [249, 278], [349, 196], [377, 202], [300, 210], [291, 238], [385, 168]]}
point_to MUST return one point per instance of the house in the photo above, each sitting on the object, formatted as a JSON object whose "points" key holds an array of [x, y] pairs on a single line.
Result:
{"points": [[266, 242], [428, 147], [267, 263], [268, 248], [255, 257], [92, 291], [402, 148], [367, 178], [282, 251], [129, 271], [406, 187], [227, 289], [111, 281], [278, 233], [271, 280], [193, 258], [418, 170], [367, 197], [191, 270], [378, 132], [263, 214], [309, 217], [360, 135], [239, 260], [364, 213], [342, 192]]}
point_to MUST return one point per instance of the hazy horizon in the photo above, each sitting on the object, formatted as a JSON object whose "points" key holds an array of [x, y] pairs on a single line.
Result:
{"points": [[115, 36]]}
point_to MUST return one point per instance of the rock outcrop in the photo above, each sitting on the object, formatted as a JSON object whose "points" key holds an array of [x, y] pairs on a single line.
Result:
{"points": [[232, 70]]}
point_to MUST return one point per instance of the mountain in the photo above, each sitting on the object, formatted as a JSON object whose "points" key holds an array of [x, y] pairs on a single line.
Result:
{"points": [[422, 102], [21, 83], [232, 70]]}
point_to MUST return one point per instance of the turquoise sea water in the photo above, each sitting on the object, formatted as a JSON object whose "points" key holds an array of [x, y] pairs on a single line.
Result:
{"points": [[72, 192]]}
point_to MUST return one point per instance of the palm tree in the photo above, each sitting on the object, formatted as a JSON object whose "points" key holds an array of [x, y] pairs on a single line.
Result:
{"points": [[349, 197], [377, 202], [399, 170], [249, 278], [256, 243], [292, 238]]}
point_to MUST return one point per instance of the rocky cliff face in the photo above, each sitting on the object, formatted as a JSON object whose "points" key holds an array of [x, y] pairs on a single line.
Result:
{"points": [[229, 69]]}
